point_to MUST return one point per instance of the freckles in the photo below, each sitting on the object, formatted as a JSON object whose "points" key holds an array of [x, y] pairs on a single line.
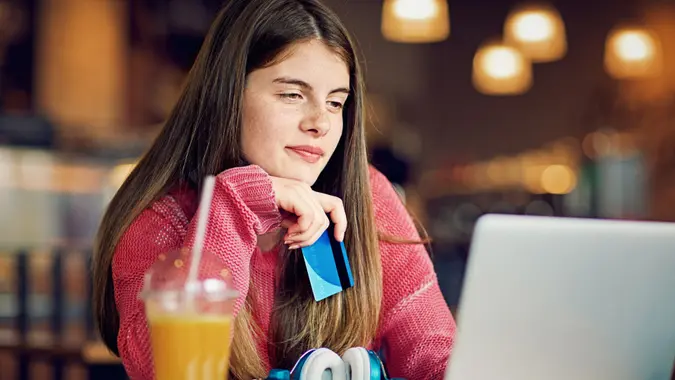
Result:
{"points": [[267, 124], [288, 115], [292, 109], [257, 117]]}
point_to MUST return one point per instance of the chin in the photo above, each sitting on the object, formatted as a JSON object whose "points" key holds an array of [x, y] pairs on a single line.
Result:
{"points": [[306, 175], [297, 174], [298, 171], [308, 179]]}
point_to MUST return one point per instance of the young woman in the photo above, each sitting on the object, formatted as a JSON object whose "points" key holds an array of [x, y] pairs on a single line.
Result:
{"points": [[274, 108]]}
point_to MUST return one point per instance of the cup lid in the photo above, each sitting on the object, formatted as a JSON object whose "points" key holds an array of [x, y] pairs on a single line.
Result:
{"points": [[169, 275]]}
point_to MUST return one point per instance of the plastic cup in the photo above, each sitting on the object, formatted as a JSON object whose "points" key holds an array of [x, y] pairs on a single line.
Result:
{"points": [[191, 325]]}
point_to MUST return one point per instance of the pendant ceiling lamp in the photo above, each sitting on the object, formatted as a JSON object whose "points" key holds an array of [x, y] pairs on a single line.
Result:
{"points": [[633, 53], [500, 69], [415, 21], [537, 31]]}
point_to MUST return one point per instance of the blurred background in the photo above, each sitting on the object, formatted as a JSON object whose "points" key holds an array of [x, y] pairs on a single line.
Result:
{"points": [[563, 108]]}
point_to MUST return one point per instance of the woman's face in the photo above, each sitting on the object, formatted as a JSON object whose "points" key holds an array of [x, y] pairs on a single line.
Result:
{"points": [[292, 119]]}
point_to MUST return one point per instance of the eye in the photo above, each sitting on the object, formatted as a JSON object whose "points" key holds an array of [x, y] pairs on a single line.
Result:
{"points": [[291, 96], [337, 106]]}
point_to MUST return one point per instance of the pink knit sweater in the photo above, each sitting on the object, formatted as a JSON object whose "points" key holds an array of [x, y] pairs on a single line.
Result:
{"points": [[416, 326]]}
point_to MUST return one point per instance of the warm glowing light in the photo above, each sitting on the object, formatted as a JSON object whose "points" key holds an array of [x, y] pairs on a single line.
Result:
{"points": [[501, 63], [566, 151], [538, 32], [634, 46], [633, 53], [415, 9], [532, 178], [558, 179], [415, 21], [499, 69], [533, 26], [496, 171]]}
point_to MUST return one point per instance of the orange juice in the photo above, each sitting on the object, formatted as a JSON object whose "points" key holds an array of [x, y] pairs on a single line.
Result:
{"points": [[191, 347]]}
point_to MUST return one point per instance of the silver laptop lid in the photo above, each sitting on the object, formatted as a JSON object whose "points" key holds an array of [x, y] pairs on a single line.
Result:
{"points": [[560, 298]]}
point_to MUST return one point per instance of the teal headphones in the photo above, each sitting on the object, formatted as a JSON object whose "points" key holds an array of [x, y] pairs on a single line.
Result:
{"points": [[357, 363]]}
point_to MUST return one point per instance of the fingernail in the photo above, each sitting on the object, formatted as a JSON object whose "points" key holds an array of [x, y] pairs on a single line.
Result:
{"points": [[294, 246], [287, 242]]}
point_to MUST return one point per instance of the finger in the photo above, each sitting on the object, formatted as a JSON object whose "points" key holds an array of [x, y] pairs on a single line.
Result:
{"points": [[334, 206], [304, 212], [301, 227], [318, 225], [313, 239], [319, 222]]}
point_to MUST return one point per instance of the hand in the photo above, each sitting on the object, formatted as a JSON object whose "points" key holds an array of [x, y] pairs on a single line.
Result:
{"points": [[307, 209]]}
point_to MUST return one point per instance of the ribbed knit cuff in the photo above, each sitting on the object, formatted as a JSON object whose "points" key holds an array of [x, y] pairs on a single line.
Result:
{"points": [[254, 187]]}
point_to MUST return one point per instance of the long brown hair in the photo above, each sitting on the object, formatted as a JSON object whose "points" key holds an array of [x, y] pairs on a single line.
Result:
{"points": [[201, 137]]}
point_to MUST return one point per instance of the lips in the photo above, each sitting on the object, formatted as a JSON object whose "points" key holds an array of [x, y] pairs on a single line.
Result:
{"points": [[308, 153], [308, 149]]}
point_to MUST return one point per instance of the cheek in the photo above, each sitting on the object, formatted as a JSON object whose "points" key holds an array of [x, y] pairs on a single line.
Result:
{"points": [[253, 136], [272, 124], [259, 127], [257, 140], [336, 132]]}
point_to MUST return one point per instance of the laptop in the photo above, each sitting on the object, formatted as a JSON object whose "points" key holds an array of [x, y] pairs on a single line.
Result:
{"points": [[549, 298]]}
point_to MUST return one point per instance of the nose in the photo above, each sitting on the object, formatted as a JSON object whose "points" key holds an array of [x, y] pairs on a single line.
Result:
{"points": [[316, 123]]}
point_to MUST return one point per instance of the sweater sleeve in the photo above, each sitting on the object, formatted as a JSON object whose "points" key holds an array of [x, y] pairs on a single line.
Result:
{"points": [[416, 328], [243, 207]]}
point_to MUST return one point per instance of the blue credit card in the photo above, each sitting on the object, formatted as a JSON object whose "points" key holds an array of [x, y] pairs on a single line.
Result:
{"points": [[327, 266]]}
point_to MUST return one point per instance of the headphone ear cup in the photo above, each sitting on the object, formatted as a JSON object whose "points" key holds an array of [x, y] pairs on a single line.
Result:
{"points": [[360, 364], [297, 368], [377, 370], [321, 360]]}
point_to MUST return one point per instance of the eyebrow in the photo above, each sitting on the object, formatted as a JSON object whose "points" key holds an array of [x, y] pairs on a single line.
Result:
{"points": [[307, 86]]}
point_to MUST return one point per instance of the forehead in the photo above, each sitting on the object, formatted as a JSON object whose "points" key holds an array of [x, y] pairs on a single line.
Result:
{"points": [[312, 62]]}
